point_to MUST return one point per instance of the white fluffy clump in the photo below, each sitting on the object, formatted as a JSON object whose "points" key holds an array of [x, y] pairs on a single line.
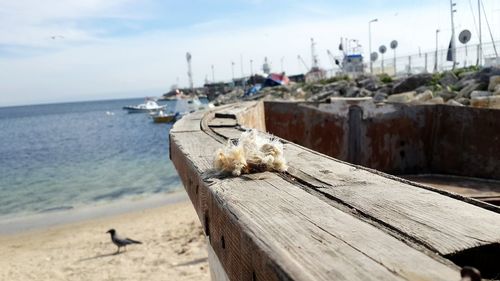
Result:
{"points": [[252, 153]]}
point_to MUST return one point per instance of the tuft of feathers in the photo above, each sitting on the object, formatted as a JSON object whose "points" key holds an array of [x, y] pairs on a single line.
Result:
{"points": [[252, 153]]}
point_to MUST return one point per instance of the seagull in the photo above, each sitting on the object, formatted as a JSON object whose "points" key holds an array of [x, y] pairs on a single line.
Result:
{"points": [[121, 241]]}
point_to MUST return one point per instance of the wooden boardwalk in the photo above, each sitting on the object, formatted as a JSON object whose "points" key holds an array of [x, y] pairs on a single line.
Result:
{"points": [[324, 219]]}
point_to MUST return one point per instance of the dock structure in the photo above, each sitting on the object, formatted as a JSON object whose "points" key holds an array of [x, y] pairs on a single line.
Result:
{"points": [[324, 219]]}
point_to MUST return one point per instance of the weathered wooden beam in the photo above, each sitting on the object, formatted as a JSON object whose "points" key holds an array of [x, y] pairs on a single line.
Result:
{"points": [[324, 219]]}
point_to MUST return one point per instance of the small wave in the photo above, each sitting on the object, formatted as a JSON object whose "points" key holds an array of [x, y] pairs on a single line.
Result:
{"points": [[55, 209], [115, 194]]}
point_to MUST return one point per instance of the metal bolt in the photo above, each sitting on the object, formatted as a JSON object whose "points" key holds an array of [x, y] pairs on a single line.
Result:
{"points": [[469, 273]]}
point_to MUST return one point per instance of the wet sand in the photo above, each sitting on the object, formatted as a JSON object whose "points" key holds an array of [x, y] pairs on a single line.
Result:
{"points": [[173, 248]]}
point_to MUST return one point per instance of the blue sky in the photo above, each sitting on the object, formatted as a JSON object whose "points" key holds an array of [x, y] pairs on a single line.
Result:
{"points": [[66, 50]]}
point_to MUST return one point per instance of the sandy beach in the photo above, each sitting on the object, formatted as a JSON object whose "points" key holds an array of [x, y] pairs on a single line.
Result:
{"points": [[173, 248]]}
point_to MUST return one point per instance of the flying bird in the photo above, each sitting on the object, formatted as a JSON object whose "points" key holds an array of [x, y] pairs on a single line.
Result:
{"points": [[121, 241]]}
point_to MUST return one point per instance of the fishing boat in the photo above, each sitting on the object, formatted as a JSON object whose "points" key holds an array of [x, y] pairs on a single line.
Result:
{"points": [[162, 117], [148, 106]]}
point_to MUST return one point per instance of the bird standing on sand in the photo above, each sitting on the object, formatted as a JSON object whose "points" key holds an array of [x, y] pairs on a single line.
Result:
{"points": [[121, 241]]}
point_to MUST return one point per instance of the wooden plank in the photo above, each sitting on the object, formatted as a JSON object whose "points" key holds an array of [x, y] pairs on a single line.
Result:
{"points": [[310, 240], [217, 272], [191, 122], [198, 147], [234, 110], [301, 236], [342, 222], [439, 222], [228, 133], [186, 124], [193, 163], [222, 122]]}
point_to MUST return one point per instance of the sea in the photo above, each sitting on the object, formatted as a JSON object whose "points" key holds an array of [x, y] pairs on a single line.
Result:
{"points": [[56, 157]]}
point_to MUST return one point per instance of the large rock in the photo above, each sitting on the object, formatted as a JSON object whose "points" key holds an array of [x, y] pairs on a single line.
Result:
{"points": [[379, 97], [448, 78], [315, 88], [494, 82], [402, 98], [386, 90], [465, 92], [464, 83], [336, 86], [446, 95], [484, 74], [299, 94], [322, 96], [422, 89], [423, 97], [476, 94], [370, 83], [436, 100], [464, 101], [486, 102], [454, 103], [352, 92], [466, 75], [412, 82], [365, 93]]}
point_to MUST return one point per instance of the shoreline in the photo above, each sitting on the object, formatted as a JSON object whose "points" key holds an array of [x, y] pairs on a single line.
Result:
{"points": [[13, 225], [173, 247]]}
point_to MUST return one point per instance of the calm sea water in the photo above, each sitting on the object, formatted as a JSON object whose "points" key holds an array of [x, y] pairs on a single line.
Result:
{"points": [[60, 156]]}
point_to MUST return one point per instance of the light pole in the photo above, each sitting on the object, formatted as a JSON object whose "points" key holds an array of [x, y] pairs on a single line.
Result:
{"points": [[370, 42], [282, 59], [232, 68], [436, 54], [213, 74], [453, 48], [251, 67]]}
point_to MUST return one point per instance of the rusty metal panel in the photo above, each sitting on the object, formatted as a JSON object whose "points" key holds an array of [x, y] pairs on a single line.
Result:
{"points": [[395, 138], [398, 140], [467, 142], [306, 125]]}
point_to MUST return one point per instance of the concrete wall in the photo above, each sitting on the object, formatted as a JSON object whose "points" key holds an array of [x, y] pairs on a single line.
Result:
{"points": [[394, 138]]}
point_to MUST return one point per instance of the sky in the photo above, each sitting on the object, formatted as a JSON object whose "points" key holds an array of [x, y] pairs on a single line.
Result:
{"points": [[71, 50]]}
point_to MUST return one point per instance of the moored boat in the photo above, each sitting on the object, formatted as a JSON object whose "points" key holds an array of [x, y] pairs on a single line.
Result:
{"points": [[148, 106], [162, 117]]}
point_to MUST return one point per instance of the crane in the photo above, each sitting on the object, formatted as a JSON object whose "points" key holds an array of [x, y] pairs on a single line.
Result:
{"points": [[314, 56], [303, 62], [332, 59]]}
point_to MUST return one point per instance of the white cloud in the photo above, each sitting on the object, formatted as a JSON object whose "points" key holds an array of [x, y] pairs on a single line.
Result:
{"points": [[32, 23], [153, 60]]}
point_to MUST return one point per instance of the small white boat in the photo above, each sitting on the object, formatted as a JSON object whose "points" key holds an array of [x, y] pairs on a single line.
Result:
{"points": [[149, 106]]}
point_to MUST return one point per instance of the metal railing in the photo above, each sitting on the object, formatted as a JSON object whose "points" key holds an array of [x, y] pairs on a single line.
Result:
{"points": [[467, 55]]}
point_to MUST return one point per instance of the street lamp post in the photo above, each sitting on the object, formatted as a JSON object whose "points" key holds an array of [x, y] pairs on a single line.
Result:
{"points": [[436, 54], [370, 42], [232, 69]]}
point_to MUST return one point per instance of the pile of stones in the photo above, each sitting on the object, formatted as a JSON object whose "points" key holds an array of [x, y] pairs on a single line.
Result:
{"points": [[462, 87]]}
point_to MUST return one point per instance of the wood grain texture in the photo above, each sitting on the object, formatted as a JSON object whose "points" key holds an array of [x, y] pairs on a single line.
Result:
{"points": [[303, 236], [228, 133], [222, 122], [325, 219], [310, 240], [439, 222], [186, 124]]}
